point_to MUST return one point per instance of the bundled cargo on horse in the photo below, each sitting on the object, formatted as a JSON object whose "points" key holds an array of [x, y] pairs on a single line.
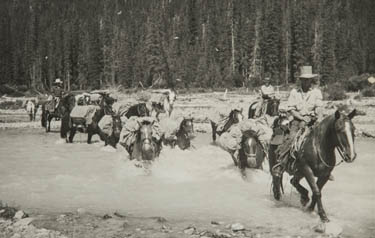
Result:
{"points": [[247, 141], [170, 127], [261, 128], [132, 126], [83, 114]]}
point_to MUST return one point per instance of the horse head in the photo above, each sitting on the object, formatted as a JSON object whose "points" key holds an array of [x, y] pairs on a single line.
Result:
{"points": [[187, 127], [144, 137], [273, 107], [236, 116], [344, 130], [142, 110]]}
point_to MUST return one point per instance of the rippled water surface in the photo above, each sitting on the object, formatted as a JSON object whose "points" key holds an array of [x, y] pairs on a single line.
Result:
{"points": [[38, 171]]}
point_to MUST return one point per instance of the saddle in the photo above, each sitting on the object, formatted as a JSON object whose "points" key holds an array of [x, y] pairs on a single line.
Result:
{"points": [[288, 151]]}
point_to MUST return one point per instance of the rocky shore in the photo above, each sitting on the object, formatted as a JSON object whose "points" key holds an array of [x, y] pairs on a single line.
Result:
{"points": [[18, 224]]}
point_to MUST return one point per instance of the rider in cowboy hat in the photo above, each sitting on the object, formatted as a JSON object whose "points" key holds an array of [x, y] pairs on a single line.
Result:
{"points": [[303, 103]]}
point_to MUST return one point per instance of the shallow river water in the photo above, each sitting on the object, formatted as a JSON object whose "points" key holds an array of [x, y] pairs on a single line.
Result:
{"points": [[40, 172]]}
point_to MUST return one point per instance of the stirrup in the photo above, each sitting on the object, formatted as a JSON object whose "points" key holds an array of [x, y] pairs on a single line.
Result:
{"points": [[277, 170]]}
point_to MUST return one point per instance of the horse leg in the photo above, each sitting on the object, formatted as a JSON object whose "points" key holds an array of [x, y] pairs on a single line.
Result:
{"points": [[49, 118], [276, 181], [316, 192], [73, 131], [302, 190], [90, 133], [213, 126], [321, 182]]}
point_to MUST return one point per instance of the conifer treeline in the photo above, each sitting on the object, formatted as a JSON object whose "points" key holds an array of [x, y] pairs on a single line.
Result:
{"points": [[205, 43]]}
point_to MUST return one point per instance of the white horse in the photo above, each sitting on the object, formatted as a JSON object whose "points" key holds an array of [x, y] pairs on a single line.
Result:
{"points": [[164, 103]]}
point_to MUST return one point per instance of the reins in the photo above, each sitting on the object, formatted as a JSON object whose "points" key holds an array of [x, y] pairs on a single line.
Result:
{"points": [[316, 148]]}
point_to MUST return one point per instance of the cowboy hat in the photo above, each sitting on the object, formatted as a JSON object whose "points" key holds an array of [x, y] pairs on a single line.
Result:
{"points": [[306, 72], [58, 80]]}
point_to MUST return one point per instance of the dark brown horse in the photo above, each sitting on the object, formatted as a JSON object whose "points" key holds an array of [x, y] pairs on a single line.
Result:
{"points": [[235, 116], [62, 111], [316, 158], [49, 111], [271, 109], [251, 154], [145, 146], [92, 128], [184, 135], [114, 138]]}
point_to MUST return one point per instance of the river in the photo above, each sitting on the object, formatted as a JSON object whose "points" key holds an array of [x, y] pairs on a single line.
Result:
{"points": [[39, 172]]}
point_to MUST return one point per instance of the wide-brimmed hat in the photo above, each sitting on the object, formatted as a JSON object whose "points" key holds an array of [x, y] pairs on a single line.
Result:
{"points": [[306, 73], [58, 80]]}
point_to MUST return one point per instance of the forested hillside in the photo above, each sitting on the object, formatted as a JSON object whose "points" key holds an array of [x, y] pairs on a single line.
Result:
{"points": [[205, 43]]}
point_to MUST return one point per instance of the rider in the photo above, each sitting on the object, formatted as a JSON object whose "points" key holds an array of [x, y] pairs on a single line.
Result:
{"points": [[267, 92], [57, 91], [303, 104]]}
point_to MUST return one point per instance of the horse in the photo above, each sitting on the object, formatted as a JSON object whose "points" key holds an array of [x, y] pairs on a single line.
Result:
{"points": [[184, 135], [92, 128], [114, 138], [235, 116], [145, 147], [64, 107], [271, 108], [139, 110], [31, 110], [165, 105], [49, 111], [316, 158], [252, 153]]}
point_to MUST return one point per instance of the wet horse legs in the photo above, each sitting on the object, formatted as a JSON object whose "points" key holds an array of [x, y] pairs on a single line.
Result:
{"points": [[321, 182], [213, 126], [302, 190], [316, 192]]}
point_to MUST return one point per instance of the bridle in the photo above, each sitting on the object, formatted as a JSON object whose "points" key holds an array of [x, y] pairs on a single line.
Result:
{"points": [[339, 148]]}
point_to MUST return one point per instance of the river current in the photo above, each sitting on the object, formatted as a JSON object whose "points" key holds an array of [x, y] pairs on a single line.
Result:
{"points": [[38, 171]]}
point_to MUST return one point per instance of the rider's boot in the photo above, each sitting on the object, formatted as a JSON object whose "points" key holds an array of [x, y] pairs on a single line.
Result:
{"points": [[279, 168]]}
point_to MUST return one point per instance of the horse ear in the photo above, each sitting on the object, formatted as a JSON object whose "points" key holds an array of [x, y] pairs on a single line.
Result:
{"points": [[337, 114], [352, 114]]}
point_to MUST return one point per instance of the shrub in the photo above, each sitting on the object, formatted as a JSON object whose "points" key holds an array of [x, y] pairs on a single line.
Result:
{"points": [[334, 92], [368, 92], [357, 82]]}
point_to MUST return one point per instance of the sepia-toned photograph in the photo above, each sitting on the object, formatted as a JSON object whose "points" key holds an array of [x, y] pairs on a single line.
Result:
{"points": [[187, 118]]}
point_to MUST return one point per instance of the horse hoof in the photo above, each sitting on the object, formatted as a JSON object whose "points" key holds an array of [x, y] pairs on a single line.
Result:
{"points": [[276, 194], [310, 209], [304, 201], [324, 219]]}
